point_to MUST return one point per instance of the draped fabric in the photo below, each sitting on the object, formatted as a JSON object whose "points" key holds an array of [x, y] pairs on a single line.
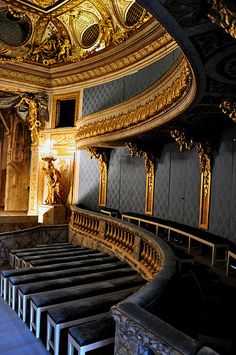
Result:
{"points": [[11, 100]]}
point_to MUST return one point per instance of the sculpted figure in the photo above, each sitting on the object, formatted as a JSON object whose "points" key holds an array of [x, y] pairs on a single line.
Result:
{"points": [[54, 182]]}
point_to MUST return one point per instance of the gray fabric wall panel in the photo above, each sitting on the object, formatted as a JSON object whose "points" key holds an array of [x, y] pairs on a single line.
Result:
{"points": [[114, 175], [192, 190], [232, 235], [177, 185], [221, 189], [162, 181], [132, 184], [109, 94], [89, 181]]}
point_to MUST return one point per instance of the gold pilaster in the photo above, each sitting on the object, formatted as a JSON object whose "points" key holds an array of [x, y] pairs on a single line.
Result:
{"points": [[204, 155], [103, 158], [34, 172], [150, 181]]}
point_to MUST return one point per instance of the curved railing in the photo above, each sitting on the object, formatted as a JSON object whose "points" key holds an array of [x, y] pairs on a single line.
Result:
{"points": [[138, 331], [145, 253]]}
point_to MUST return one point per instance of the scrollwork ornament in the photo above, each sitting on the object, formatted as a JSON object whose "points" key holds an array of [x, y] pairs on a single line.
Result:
{"points": [[185, 143], [228, 107], [221, 14]]}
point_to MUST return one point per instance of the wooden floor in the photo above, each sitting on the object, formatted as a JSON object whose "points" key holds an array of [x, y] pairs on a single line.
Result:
{"points": [[15, 336]]}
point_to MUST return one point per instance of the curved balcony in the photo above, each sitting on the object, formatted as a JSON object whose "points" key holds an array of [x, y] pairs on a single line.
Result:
{"points": [[138, 331]]}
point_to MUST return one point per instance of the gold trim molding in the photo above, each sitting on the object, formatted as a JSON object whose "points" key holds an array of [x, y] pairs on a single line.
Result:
{"points": [[146, 47], [169, 95]]}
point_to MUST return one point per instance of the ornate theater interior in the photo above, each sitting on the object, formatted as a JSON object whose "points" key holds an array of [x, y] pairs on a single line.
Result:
{"points": [[117, 177]]}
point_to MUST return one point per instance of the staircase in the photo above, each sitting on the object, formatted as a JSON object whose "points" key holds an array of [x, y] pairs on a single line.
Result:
{"points": [[55, 287]]}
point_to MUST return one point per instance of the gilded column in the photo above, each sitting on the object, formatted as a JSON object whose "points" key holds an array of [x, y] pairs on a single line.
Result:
{"points": [[34, 173], [204, 155], [149, 161]]}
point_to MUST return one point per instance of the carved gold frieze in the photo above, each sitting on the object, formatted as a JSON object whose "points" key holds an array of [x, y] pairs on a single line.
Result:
{"points": [[103, 158], [228, 107], [223, 14], [184, 142], [156, 102]]}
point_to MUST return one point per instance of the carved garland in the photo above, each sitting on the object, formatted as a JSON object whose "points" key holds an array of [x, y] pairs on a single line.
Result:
{"points": [[205, 158], [159, 104]]}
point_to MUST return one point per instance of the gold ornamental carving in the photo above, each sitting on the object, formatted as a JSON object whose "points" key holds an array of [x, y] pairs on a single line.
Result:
{"points": [[164, 99], [185, 143], [224, 15], [103, 158], [205, 156], [34, 121], [228, 107]]}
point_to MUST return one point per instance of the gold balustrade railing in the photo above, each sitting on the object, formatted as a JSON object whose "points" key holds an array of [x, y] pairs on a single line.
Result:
{"points": [[132, 244]]}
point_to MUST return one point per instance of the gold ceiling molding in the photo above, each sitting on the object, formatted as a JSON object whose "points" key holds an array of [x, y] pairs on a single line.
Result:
{"points": [[145, 48], [144, 112]]}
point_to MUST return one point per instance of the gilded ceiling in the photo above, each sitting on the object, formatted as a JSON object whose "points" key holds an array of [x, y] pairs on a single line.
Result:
{"points": [[48, 32]]}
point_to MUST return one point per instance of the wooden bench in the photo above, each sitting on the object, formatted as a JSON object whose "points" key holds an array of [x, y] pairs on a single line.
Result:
{"points": [[92, 335], [213, 244], [15, 281], [79, 312], [230, 255], [26, 260], [13, 252], [26, 291], [44, 301], [6, 274], [66, 258]]}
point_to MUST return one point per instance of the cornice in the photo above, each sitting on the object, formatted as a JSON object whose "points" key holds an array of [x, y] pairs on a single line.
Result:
{"points": [[160, 103], [142, 49]]}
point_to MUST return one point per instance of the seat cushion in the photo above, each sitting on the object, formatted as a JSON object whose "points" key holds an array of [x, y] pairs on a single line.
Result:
{"points": [[91, 332]]}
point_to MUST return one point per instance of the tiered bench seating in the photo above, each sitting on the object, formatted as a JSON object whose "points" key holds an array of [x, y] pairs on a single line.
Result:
{"points": [[6, 274], [65, 259], [14, 252], [91, 335], [26, 260], [79, 312], [47, 300], [25, 291], [15, 281]]}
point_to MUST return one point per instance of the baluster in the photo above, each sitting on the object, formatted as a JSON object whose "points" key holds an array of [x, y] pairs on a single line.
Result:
{"points": [[117, 241], [92, 226], [143, 252], [107, 231], [124, 239], [127, 241], [146, 256], [114, 235], [150, 258], [121, 241], [131, 243]]}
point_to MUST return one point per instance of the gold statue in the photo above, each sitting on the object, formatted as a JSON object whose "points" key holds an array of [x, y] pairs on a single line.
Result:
{"points": [[54, 180]]}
